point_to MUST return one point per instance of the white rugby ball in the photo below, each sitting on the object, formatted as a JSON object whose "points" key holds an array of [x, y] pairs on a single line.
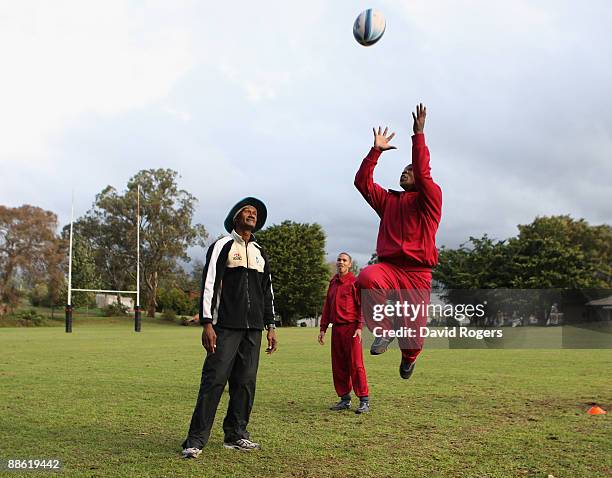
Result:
{"points": [[369, 27]]}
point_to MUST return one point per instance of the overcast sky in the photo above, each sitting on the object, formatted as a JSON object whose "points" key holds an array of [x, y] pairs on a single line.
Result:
{"points": [[277, 100]]}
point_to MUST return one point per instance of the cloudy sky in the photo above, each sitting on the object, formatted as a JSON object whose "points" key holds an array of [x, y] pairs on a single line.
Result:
{"points": [[276, 99]]}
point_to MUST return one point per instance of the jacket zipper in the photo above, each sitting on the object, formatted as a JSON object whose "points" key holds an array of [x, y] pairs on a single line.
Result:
{"points": [[246, 248]]}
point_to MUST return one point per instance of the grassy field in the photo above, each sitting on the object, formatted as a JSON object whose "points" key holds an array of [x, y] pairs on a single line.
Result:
{"points": [[110, 402], [55, 317]]}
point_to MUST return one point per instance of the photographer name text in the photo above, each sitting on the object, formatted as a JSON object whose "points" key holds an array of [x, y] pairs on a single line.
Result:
{"points": [[445, 333]]}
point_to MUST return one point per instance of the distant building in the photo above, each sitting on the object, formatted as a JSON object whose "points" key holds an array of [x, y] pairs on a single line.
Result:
{"points": [[600, 309], [308, 322], [104, 300]]}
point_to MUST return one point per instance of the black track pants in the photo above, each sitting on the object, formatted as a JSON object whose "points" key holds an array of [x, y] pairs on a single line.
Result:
{"points": [[235, 360]]}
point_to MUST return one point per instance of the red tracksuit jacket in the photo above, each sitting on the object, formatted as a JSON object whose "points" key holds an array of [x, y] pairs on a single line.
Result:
{"points": [[409, 220], [342, 302]]}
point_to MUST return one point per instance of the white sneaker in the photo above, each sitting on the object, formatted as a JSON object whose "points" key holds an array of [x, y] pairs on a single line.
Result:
{"points": [[242, 444], [191, 452]]}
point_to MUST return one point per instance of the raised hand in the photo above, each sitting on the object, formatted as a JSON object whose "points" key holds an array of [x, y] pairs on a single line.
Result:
{"points": [[419, 118], [381, 140]]}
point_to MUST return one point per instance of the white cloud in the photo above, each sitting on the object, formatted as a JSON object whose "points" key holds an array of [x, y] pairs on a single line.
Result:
{"points": [[62, 59], [276, 99]]}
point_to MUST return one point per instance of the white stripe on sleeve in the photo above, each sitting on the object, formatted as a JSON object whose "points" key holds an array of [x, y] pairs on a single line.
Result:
{"points": [[211, 273]]}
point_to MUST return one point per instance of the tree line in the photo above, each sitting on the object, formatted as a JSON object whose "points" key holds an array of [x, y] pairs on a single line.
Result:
{"points": [[554, 259], [550, 252], [34, 257]]}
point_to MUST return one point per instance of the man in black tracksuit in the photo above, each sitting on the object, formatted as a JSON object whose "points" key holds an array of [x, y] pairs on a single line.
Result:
{"points": [[236, 303]]}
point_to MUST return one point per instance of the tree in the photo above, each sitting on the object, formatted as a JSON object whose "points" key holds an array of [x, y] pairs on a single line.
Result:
{"points": [[85, 271], [176, 300], [299, 272], [195, 276], [561, 252], [104, 250], [179, 290], [477, 264], [166, 231], [551, 253], [55, 269], [558, 252], [29, 250]]}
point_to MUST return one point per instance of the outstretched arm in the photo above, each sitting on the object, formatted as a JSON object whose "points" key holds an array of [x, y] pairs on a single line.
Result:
{"points": [[431, 194], [373, 193]]}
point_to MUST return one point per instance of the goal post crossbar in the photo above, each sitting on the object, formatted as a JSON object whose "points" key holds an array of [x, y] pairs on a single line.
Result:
{"points": [[106, 291]]}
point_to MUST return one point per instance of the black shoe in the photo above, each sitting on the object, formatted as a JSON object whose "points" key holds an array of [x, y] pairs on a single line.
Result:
{"points": [[364, 407], [406, 368], [341, 405], [380, 345]]}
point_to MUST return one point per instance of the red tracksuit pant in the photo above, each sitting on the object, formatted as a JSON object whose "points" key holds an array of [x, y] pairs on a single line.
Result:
{"points": [[388, 283], [347, 361]]}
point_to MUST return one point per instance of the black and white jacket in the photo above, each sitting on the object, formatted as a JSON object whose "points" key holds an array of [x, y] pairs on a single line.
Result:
{"points": [[236, 285]]}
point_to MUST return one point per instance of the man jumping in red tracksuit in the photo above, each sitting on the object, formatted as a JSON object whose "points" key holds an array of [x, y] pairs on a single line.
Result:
{"points": [[405, 247], [341, 309]]}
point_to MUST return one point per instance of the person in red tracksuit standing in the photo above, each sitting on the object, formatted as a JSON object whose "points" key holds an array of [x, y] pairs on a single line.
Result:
{"points": [[341, 309], [406, 244]]}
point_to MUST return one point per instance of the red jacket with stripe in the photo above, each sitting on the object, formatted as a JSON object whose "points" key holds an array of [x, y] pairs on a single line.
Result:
{"points": [[408, 219], [342, 302]]}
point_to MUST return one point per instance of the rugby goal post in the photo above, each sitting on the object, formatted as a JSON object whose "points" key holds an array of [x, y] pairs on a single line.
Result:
{"points": [[137, 309]]}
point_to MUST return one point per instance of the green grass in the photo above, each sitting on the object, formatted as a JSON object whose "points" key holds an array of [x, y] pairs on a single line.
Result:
{"points": [[81, 316], [110, 402]]}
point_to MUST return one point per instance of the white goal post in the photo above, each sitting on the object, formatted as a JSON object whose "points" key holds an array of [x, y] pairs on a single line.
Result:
{"points": [[137, 310]]}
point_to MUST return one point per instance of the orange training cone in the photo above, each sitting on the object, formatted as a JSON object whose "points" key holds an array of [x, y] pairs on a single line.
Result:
{"points": [[596, 411]]}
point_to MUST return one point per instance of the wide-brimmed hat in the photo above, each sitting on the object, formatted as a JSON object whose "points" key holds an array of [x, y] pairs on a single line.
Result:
{"points": [[262, 213]]}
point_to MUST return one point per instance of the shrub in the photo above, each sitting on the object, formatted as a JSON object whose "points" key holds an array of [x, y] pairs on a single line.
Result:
{"points": [[30, 318], [39, 295], [169, 315], [115, 309], [177, 300]]}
